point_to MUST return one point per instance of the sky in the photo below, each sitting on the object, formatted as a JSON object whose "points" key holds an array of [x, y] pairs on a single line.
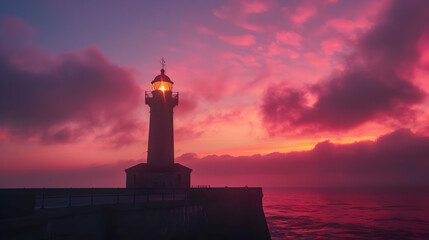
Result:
{"points": [[272, 93]]}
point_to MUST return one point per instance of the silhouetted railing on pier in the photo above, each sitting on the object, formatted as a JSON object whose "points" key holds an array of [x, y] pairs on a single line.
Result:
{"points": [[200, 186], [149, 94], [60, 198]]}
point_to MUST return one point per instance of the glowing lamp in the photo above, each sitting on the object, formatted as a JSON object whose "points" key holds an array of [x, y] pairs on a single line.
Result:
{"points": [[162, 82]]}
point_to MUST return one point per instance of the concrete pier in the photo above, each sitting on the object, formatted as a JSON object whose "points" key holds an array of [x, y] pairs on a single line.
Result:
{"points": [[106, 213]]}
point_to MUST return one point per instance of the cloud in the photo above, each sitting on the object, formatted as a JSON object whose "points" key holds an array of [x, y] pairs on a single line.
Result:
{"points": [[290, 38], [331, 45], [397, 158], [212, 88], [240, 40], [187, 132], [222, 116], [188, 102], [347, 26], [302, 13], [205, 31], [63, 135], [238, 9], [242, 13], [255, 6], [15, 26], [58, 98], [240, 59], [376, 81], [123, 132], [274, 49]]}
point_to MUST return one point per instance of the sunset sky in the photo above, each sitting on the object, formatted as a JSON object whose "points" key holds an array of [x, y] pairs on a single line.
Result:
{"points": [[272, 93]]}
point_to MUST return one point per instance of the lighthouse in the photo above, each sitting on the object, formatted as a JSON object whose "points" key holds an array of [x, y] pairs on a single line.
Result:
{"points": [[161, 101], [160, 171]]}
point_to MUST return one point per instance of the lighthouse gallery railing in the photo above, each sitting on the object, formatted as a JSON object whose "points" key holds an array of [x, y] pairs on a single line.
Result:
{"points": [[149, 94]]}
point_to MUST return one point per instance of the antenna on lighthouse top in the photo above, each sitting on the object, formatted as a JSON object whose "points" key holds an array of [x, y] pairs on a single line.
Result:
{"points": [[162, 64]]}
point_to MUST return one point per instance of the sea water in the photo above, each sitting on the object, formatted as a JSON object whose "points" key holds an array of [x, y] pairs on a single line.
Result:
{"points": [[347, 213]]}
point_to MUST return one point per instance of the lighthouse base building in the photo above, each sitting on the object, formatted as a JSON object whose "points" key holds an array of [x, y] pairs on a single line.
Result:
{"points": [[145, 176]]}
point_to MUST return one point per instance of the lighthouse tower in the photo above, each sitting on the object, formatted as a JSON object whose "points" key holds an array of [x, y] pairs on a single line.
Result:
{"points": [[161, 101], [160, 171]]}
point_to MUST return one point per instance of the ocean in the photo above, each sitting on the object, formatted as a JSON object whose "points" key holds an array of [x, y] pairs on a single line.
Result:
{"points": [[351, 213]]}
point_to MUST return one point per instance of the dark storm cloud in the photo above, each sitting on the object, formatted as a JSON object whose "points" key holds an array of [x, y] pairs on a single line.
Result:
{"points": [[82, 90], [375, 82], [60, 97]]}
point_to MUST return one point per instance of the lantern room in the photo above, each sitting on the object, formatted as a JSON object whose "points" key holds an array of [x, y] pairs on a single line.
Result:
{"points": [[162, 82]]}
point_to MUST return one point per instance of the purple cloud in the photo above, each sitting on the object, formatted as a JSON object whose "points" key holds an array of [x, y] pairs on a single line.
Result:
{"points": [[397, 158], [76, 93]]}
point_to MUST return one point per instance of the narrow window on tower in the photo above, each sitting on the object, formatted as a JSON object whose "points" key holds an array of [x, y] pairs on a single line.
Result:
{"points": [[179, 179]]}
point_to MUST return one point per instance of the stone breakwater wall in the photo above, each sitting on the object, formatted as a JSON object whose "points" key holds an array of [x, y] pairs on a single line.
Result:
{"points": [[196, 213]]}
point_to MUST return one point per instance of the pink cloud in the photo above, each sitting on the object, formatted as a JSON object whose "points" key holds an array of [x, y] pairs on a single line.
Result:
{"points": [[302, 13], [255, 6], [423, 46], [212, 88], [374, 83], [240, 40], [331, 45], [317, 61], [348, 26], [221, 117], [274, 49], [188, 102], [249, 26], [240, 59], [290, 38], [221, 12], [240, 13], [187, 132], [205, 31], [239, 8]]}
